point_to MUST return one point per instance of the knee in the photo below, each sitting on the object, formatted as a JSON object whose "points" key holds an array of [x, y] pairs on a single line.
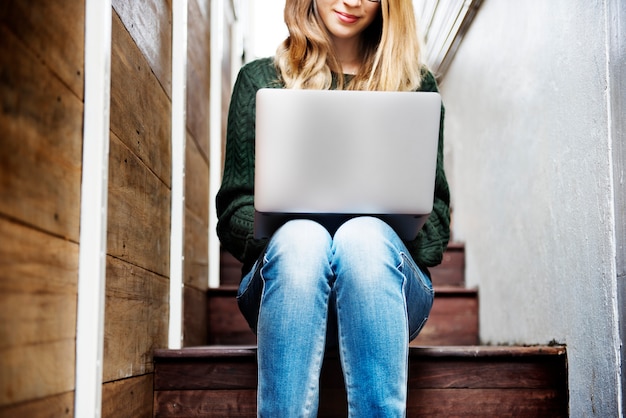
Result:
{"points": [[367, 248], [300, 249], [299, 237], [364, 234]]}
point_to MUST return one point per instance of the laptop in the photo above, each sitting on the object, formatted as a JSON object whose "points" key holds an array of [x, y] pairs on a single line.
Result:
{"points": [[330, 155]]}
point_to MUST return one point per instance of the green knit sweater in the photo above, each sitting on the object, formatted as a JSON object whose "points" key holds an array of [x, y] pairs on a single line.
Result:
{"points": [[235, 206]]}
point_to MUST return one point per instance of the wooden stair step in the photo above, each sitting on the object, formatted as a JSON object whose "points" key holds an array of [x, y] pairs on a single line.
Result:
{"points": [[443, 381], [453, 319], [451, 271]]}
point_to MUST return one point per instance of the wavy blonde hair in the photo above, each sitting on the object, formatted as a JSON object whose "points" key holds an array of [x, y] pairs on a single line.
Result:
{"points": [[390, 50]]}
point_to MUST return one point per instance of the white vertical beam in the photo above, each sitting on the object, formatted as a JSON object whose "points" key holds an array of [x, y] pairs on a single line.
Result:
{"points": [[93, 217], [179, 81], [215, 163]]}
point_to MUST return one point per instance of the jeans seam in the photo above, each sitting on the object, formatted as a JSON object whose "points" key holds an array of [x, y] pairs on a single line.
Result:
{"points": [[418, 274]]}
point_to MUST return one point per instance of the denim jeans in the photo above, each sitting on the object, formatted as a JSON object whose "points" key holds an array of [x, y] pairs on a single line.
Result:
{"points": [[362, 278]]}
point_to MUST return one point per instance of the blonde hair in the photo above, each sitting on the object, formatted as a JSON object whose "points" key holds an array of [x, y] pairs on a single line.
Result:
{"points": [[390, 50]]}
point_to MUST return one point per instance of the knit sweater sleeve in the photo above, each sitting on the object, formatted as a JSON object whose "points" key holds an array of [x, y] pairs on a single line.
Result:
{"points": [[428, 247], [234, 201]]}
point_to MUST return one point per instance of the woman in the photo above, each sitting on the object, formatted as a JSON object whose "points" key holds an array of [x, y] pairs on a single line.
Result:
{"points": [[360, 287]]}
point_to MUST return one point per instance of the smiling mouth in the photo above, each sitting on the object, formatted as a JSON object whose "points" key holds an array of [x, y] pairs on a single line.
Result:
{"points": [[346, 18]]}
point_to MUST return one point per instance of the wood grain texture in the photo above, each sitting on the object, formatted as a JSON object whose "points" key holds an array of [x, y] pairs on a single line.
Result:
{"points": [[487, 403], [198, 74], [138, 212], [140, 108], [196, 180], [451, 271], [443, 382], [41, 131], [196, 217], [136, 319], [196, 263], [32, 261], [35, 318], [453, 319], [226, 324], [36, 371], [219, 404], [57, 406], [129, 398], [149, 23], [217, 374], [54, 31], [38, 285], [195, 329], [230, 269]]}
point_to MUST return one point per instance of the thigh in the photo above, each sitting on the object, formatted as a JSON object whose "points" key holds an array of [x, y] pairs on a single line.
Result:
{"points": [[296, 260], [373, 253]]}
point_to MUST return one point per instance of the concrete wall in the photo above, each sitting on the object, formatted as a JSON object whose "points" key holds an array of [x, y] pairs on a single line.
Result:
{"points": [[617, 102], [529, 159]]}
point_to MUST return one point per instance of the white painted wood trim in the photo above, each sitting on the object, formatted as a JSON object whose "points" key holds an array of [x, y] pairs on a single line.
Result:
{"points": [[93, 217], [177, 237], [215, 163], [442, 25]]}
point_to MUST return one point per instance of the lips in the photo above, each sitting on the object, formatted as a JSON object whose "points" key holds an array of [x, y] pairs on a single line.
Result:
{"points": [[346, 17]]}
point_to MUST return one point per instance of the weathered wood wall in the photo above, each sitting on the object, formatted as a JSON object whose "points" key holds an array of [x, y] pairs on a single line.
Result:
{"points": [[41, 89], [197, 174]]}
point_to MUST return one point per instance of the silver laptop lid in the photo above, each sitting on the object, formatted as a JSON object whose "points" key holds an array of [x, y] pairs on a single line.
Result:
{"points": [[344, 152]]}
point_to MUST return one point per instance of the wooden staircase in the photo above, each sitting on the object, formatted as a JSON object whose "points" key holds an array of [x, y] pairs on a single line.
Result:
{"points": [[450, 375]]}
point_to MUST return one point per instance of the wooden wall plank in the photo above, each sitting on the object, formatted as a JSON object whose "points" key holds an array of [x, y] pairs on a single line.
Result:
{"points": [[51, 407], [196, 181], [32, 261], [196, 251], [36, 371], [54, 31], [198, 74], [33, 318], [195, 328], [129, 398], [196, 262], [149, 23], [38, 279], [41, 89], [195, 318], [41, 131], [137, 306], [140, 108], [139, 212]]}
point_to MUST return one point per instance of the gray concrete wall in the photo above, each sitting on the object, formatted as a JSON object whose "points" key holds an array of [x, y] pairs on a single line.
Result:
{"points": [[529, 133], [617, 102]]}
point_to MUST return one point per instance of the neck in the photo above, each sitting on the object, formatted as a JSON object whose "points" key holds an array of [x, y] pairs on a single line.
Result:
{"points": [[347, 51]]}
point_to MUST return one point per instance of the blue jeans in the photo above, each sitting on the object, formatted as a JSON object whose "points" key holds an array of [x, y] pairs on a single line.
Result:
{"points": [[365, 281]]}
